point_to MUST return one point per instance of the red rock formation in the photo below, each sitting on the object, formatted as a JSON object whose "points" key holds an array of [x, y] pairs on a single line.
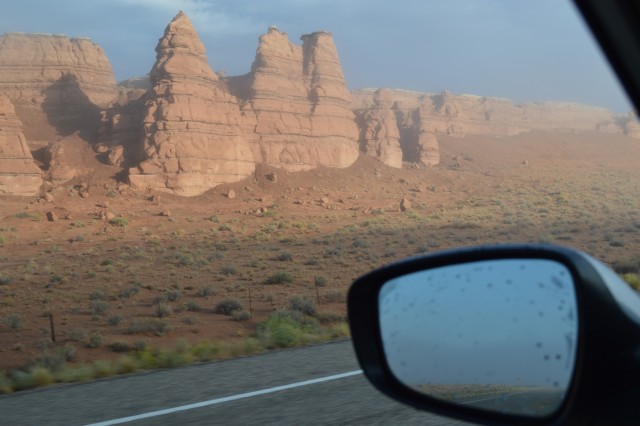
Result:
{"points": [[423, 116], [31, 63], [19, 174], [192, 140], [300, 104], [380, 136], [57, 84]]}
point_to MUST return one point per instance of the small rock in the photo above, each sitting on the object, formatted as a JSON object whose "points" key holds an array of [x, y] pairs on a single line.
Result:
{"points": [[68, 216], [109, 215], [84, 194], [247, 188], [324, 200], [405, 204], [525, 163], [103, 204], [266, 199], [231, 194], [48, 197], [272, 177], [165, 213], [52, 217]]}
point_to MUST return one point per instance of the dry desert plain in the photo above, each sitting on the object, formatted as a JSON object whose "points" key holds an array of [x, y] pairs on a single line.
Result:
{"points": [[153, 275]]}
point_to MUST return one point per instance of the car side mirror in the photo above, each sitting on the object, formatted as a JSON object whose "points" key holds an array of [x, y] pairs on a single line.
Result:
{"points": [[516, 334]]}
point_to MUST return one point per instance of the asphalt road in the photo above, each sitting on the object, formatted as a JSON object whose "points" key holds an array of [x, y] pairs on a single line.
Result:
{"points": [[224, 393]]}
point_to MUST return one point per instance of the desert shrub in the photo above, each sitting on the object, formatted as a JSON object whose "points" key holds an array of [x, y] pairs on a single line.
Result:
{"points": [[98, 295], [101, 369], [626, 266], [312, 261], [241, 315], [302, 304], [76, 335], [358, 243], [129, 292], [174, 295], [119, 221], [321, 280], [95, 340], [22, 380], [41, 376], [206, 291], [284, 329], [114, 320], [120, 347], [279, 278], [98, 307], [192, 306], [334, 296], [228, 306], [189, 320], [5, 383], [284, 256], [13, 321], [229, 270], [632, 279], [163, 310], [149, 326], [329, 317]]}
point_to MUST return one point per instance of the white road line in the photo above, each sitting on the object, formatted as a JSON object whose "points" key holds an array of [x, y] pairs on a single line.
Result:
{"points": [[225, 399]]}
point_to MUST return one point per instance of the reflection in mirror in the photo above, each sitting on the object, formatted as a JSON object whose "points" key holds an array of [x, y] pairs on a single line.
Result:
{"points": [[499, 335]]}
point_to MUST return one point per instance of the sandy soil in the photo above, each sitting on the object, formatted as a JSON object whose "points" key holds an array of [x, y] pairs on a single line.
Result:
{"points": [[94, 277]]}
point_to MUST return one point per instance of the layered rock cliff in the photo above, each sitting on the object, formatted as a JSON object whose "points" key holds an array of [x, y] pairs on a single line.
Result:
{"points": [[297, 104], [57, 84], [192, 138], [421, 117], [19, 174]]}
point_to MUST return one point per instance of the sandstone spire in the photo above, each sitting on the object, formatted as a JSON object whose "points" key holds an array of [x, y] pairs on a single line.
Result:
{"points": [[19, 174], [192, 140], [301, 104]]}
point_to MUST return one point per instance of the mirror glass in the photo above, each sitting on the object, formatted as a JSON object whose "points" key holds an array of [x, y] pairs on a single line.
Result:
{"points": [[498, 335]]}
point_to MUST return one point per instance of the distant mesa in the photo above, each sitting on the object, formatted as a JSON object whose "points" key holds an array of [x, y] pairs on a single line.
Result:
{"points": [[185, 129]]}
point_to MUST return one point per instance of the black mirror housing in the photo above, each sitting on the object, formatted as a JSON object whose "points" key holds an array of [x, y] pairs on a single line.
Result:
{"points": [[606, 372]]}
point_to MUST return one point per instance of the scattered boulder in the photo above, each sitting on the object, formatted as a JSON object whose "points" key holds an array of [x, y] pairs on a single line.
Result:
{"points": [[405, 204], [48, 197], [165, 213], [52, 217], [231, 194], [272, 177]]}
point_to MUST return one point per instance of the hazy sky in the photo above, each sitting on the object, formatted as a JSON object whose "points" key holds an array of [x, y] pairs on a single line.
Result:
{"points": [[519, 49]]}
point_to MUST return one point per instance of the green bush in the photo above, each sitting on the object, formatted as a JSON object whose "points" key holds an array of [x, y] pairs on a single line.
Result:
{"points": [[229, 270], [284, 256], [321, 281], [285, 329], [95, 340], [163, 310], [241, 315], [228, 306], [206, 291], [149, 326], [192, 306], [119, 221], [279, 278], [302, 304], [13, 321], [98, 307], [632, 279]]}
